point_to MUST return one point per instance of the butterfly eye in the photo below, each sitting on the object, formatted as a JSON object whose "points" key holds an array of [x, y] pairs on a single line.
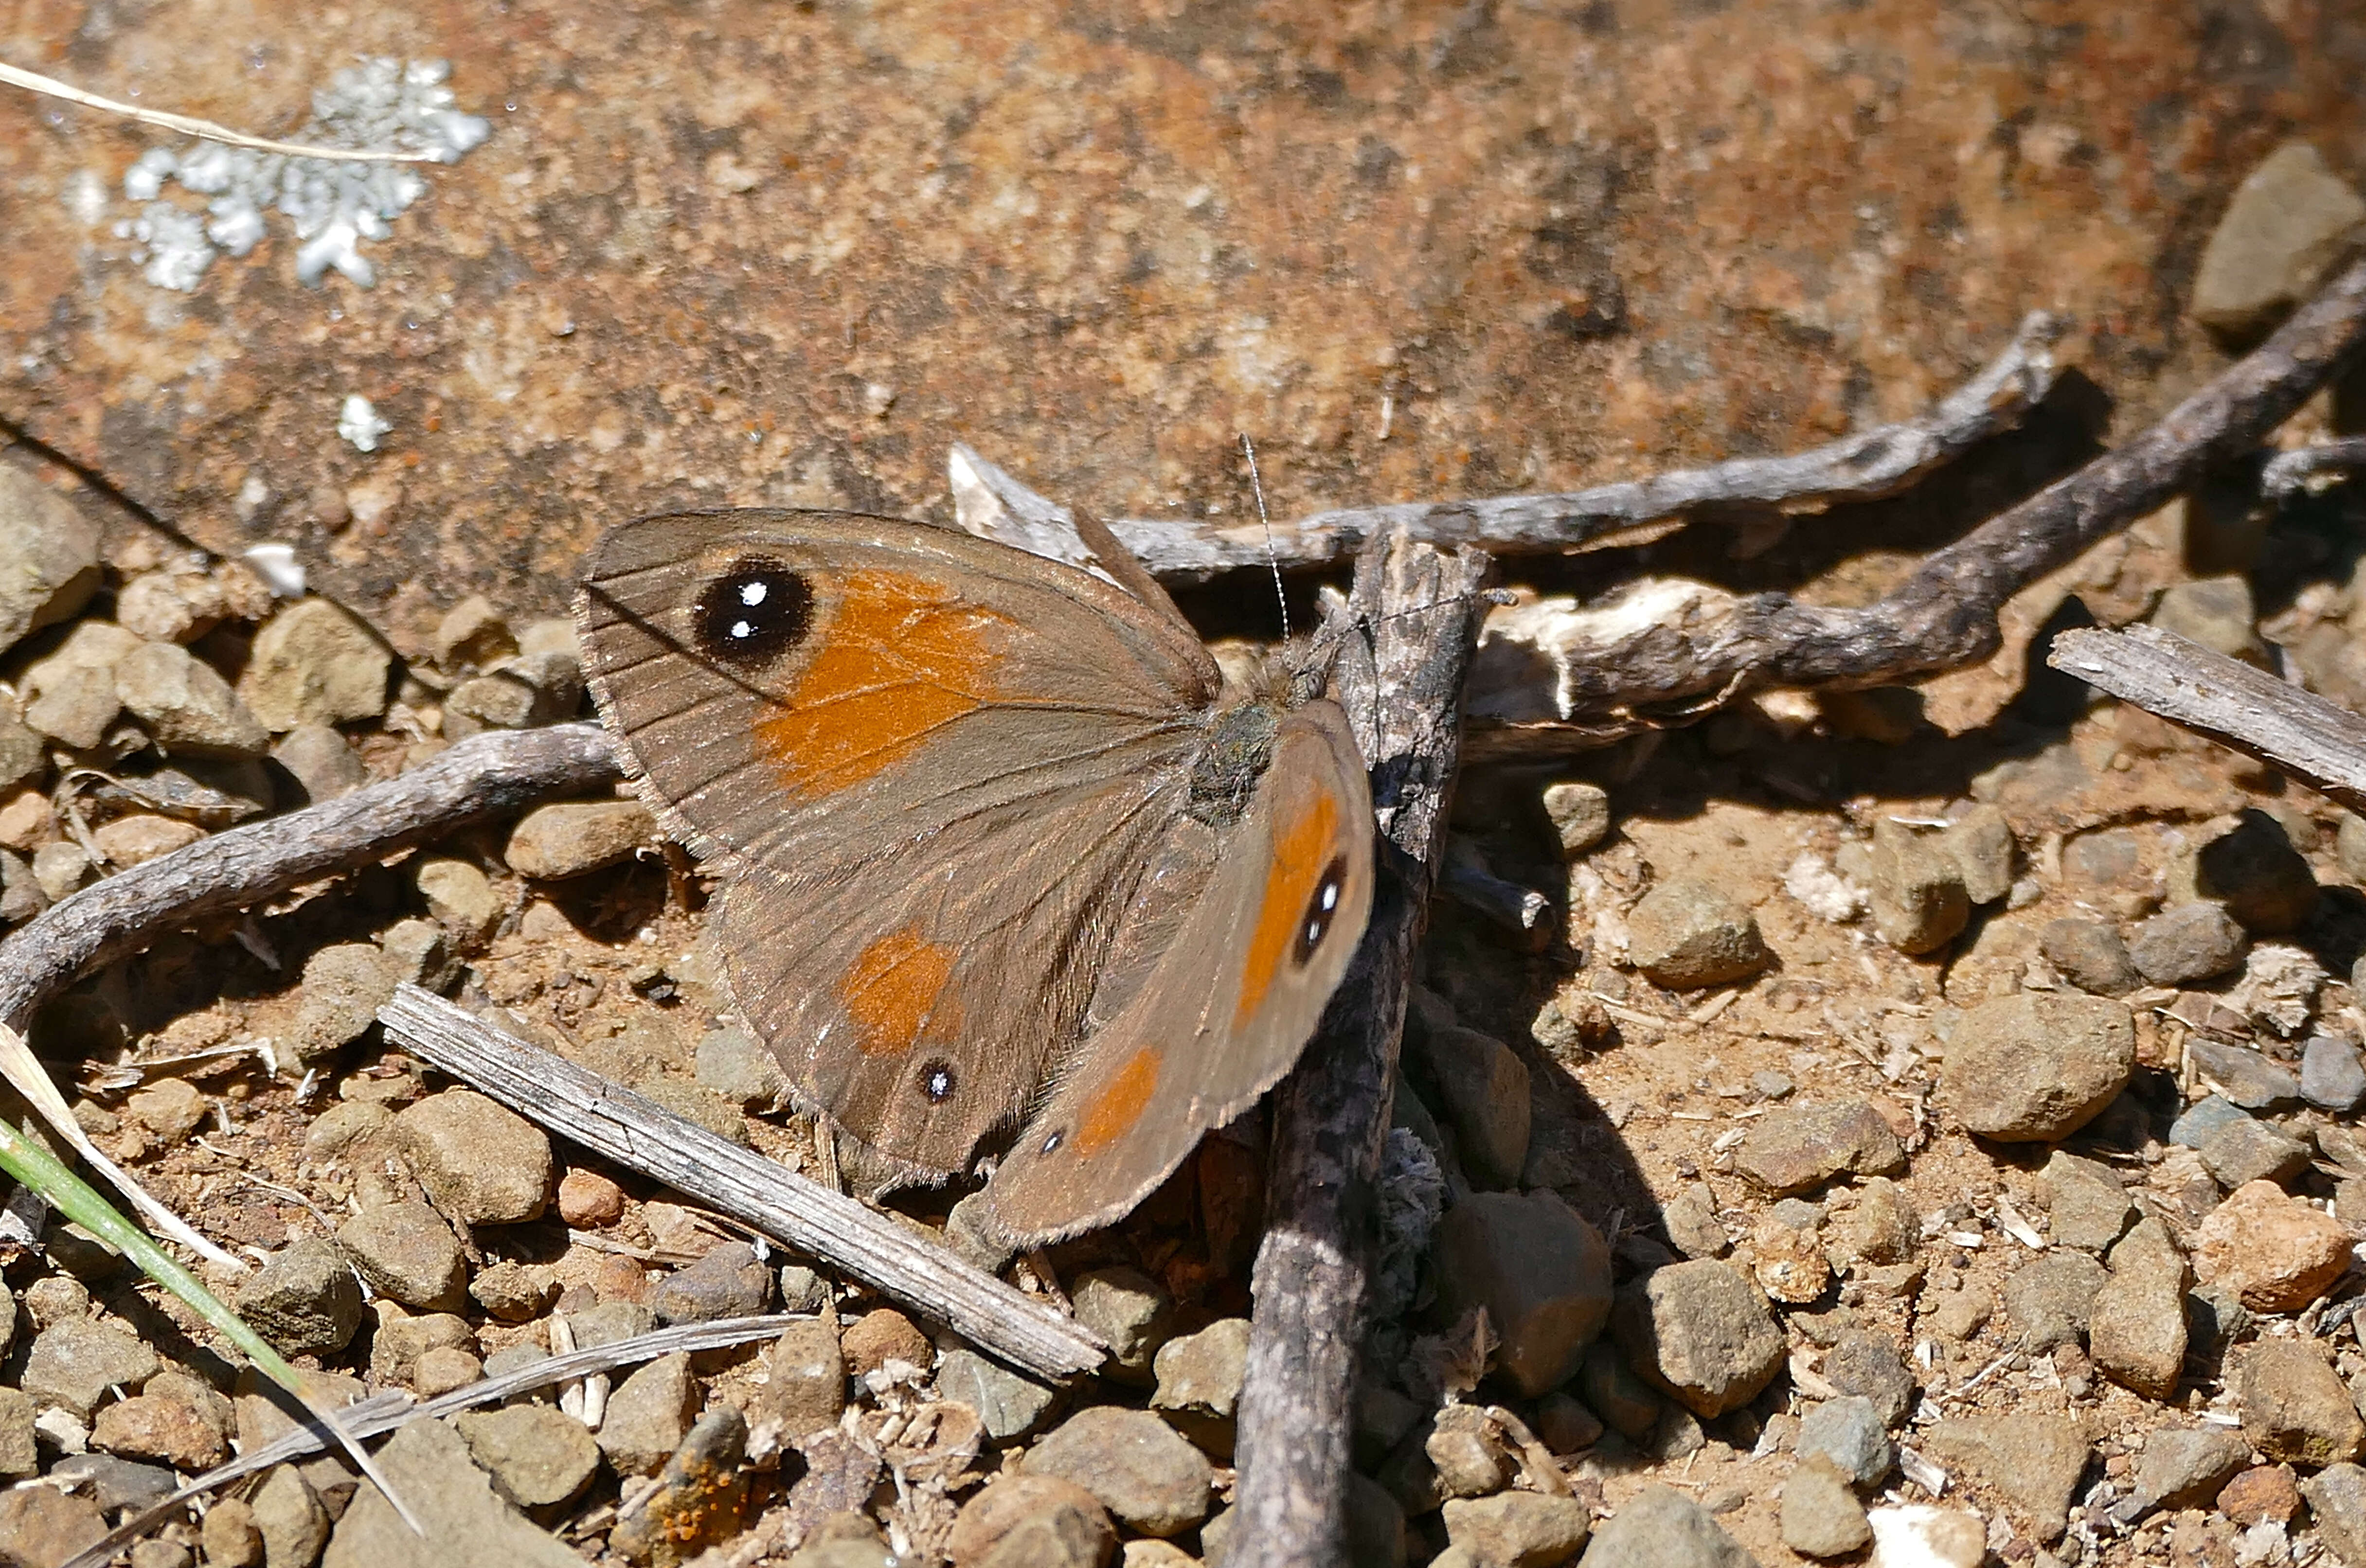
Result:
{"points": [[1320, 909], [937, 1080], [753, 613]]}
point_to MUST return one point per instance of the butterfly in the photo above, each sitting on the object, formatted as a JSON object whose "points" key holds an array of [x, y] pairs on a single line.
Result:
{"points": [[1008, 877]]}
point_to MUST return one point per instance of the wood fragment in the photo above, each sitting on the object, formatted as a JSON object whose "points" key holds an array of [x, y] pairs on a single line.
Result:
{"points": [[1403, 693], [1863, 466], [384, 1412], [486, 775], [613, 1121], [2289, 473], [2295, 732], [1664, 651]]}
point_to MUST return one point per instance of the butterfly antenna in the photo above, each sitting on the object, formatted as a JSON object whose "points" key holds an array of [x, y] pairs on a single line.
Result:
{"points": [[1272, 559]]}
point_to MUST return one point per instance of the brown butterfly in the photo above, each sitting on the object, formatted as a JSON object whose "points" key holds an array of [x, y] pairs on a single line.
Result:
{"points": [[1000, 856]]}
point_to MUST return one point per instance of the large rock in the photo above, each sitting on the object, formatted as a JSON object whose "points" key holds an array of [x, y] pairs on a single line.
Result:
{"points": [[2135, 1329], [1542, 1273], [1519, 1530], [69, 695], [2035, 1067], [314, 663], [76, 1360], [482, 1163], [465, 1524], [2291, 221], [1794, 1148], [1154, 1481], [1686, 934], [2295, 1407], [2274, 1252], [1484, 1089], [1041, 1521], [2033, 1461], [1661, 1527], [554, 842], [188, 708], [1704, 1333]]}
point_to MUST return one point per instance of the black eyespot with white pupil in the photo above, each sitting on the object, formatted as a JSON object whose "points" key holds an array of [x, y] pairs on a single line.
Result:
{"points": [[1322, 908], [937, 1081], [1051, 1144], [753, 613]]}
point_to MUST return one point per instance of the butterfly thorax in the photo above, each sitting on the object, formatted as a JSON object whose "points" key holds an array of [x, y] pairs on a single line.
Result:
{"points": [[1234, 754]]}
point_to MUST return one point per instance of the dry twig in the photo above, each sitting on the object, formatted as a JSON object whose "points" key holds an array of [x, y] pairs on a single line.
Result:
{"points": [[1423, 609], [1619, 667], [611, 1120], [204, 129], [2295, 732], [1863, 466], [2288, 473], [486, 775]]}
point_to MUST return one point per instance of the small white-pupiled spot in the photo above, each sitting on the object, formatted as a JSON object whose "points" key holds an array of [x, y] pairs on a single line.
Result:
{"points": [[741, 631], [1329, 897], [751, 594], [1822, 891], [358, 423]]}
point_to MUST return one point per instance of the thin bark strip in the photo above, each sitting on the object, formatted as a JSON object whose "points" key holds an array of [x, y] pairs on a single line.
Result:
{"points": [[613, 1121], [1330, 1115], [1689, 648], [1863, 467], [487, 776], [2295, 732], [2288, 473]]}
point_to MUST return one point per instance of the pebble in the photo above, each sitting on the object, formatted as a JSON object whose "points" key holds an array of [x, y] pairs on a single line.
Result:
{"points": [[1132, 1313], [472, 634], [701, 1496], [115, 1483], [2253, 869], [2204, 1119], [481, 1162], [1146, 1474], [1580, 813], [2189, 943], [22, 757], [2184, 1467], [55, 1298], [2332, 1078], [1565, 1426], [649, 1416], [313, 662], [141, 837], [2245, 1077], [1519, 1530], [69, 695], [2090, 955], [2262, 1494], [1798, 1148], [321, 761], [701, 1107], [344, 987], [229, 1537], [41, 1526], [2293, 1404], [514, 1291], [19, 1449], [1661, 1527], [1703, 1332], [2084, 1203], [2248, 1151], [1879, 1227], [408, 1254], [167, 1430], [537, 1455], [1920, 902], [53, 555], [1009, 1405], [1981, 841], [2291, 219], [1867, 1364], [1031, 1521], [344, 1125], [1692, 1224], [1199, 1383], [885, 1335], [440, 1369], [2217, 613], [2050, 1299], [804, 1384], [554, 842], [465, 1520], [1687, 934], [589, 1200], [170, 1108], [1484, 1088], [610, 1322], [1788, 1261], [188, 708], [2337, 1500], [289, 1517], [59, 868], [22, 896], [75, 1361], [741, 1068], [1538, 1268], [1822, 1518], [400, 1339], [2034, 1068], [729, 1282], [2135, 1329], [1467, 1453], [2031, 1460], [460, 899], [499, 701], [1848, 1433]]}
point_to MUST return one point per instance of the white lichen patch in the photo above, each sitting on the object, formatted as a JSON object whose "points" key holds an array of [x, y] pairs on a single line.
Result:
{"points": [[381, 102], [1822, 890], [358, 423]]}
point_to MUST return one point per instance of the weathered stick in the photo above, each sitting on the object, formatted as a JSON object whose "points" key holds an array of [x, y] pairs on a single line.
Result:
{"points": [[2288, 473], [2295, 732], [1660, 644], [386, 1411], [1330, 1115], [611, 1120], [486, 775], [1863, 466]]}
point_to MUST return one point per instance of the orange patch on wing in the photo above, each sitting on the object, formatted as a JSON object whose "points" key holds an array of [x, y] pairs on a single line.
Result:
{"points": [[1119, 1105], [890, 991], [899, 657], [1301, 850]]}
